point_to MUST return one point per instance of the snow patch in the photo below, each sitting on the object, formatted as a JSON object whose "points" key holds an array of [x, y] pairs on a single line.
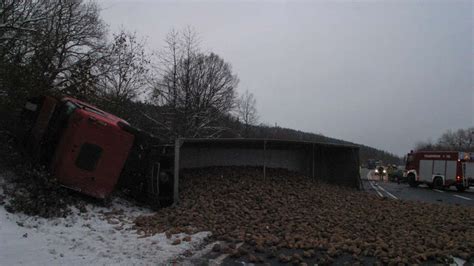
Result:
{"points": [[99, 236]]}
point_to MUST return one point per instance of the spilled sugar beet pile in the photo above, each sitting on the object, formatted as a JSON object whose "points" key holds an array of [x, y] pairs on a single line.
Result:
{"points": [[289, 212]]}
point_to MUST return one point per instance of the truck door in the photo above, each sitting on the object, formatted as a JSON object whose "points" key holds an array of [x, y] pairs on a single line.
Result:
{"points": [[468, 172], [426, 170], [439, 169], [451, 169]]}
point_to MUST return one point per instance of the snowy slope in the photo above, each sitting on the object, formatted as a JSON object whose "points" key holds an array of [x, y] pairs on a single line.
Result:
{"points": [[100, 236]]}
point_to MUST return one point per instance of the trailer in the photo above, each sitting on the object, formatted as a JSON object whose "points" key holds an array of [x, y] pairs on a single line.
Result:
{"points": [[440, 169], [94, 152]]}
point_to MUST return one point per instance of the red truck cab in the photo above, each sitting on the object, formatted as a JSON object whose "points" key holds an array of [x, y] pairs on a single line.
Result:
{"points": [[84, 147], [92, 149], [94, 152]]}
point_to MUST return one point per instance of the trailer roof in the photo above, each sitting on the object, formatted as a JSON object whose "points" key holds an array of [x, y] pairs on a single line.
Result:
{"points": [[258, 141]]}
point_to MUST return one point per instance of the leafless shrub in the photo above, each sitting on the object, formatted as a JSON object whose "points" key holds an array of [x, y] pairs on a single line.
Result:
{"points": [[247, 111]]}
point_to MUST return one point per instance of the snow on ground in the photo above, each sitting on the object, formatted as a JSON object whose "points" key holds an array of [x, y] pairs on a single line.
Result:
{"points": [[100, 236]]}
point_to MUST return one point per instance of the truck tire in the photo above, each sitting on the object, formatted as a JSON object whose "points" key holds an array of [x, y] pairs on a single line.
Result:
{"points": [[438, 182], [166, 190], [460, 188], [412, 181]]}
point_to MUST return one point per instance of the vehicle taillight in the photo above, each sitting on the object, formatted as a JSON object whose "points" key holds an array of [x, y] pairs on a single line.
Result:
{"points": [[458, 178]]}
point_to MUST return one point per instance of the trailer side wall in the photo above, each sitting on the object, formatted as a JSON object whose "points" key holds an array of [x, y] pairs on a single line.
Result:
{"points": [[337, 164]]}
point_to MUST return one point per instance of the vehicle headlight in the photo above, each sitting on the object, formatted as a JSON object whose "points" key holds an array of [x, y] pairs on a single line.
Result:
{"points": [[376, 170], [384, 171]]}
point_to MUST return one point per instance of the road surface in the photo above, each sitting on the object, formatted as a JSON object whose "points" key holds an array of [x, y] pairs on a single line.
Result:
{"points": [[403, 191]]}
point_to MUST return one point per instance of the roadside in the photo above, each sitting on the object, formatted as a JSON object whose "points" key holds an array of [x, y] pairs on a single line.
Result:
{"points": [[90, 234], [422, 193], [42, 223]]}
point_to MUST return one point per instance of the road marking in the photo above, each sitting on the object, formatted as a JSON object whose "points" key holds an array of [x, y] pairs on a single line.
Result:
{"points": [[458, 261], [461, 197], [390, 194], [376, 190], [381, 188], [437, 190]]}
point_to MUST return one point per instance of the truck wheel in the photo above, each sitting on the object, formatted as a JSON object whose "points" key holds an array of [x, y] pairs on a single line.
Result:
{"points": [[438, 183], [460, 188], [166, 190], [411, 180]]}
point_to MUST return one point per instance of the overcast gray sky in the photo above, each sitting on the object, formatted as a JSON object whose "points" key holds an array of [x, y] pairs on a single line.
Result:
{"points": [[384, 74]]}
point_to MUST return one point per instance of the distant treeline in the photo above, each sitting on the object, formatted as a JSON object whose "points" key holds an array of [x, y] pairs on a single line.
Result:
{"points": [[458, 140], [365, 152]]}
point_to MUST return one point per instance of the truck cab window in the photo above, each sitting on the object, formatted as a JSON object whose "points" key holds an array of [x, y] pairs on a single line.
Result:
{"points": [[65, 112], [88, 157]]}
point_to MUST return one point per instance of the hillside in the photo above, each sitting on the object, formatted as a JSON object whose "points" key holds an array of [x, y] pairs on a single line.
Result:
{"points": [[365, 152]]}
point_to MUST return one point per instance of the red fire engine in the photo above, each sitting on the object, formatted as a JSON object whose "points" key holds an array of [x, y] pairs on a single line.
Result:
{"points": [[94, 152], [440, 169]]}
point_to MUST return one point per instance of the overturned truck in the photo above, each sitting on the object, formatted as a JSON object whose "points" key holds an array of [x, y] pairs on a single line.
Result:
{"points": [[91, 151]]}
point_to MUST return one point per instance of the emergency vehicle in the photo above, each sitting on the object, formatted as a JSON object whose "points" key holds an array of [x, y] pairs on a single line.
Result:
{"points": [[440, 169]]}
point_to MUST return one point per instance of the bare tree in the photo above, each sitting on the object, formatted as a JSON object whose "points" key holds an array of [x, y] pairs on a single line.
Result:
{"points": [[124, 70], [425, 146], [193, 88], [18, 23], [247, 111], [43, 42], [459, 140], [462, 139], [82, 81]]}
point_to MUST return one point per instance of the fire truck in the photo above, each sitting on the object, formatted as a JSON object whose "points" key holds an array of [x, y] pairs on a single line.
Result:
{"points": [[440, 169], [94, 152]]}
